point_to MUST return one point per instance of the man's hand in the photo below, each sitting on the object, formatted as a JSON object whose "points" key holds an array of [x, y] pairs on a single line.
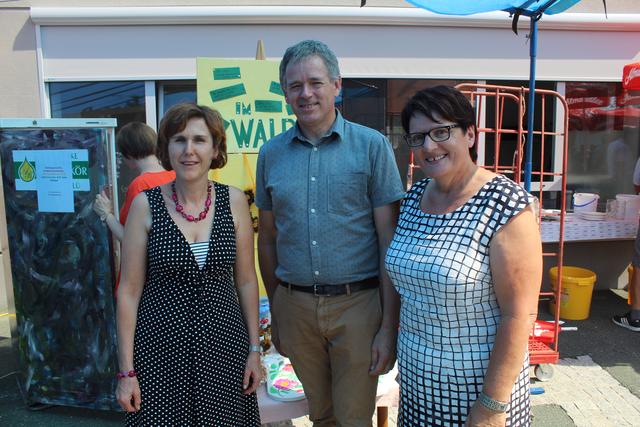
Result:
{"points": [[383, 351], [275, 338]]}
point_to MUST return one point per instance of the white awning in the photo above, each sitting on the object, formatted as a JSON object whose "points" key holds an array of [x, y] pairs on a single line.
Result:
{"points": [[158, 43]]}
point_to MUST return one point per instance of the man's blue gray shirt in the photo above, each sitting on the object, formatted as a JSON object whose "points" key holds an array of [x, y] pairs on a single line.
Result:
{"points": [[322, 197]]}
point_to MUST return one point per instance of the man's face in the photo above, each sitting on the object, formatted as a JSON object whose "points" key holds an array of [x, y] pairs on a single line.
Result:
{"points": [[311, 93]]}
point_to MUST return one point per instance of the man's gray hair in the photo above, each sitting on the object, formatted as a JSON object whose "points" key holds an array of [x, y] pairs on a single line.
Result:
{"points": [[305, 49]]}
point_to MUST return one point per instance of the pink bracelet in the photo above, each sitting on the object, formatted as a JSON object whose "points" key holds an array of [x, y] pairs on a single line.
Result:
{"points": [[125, 374]]}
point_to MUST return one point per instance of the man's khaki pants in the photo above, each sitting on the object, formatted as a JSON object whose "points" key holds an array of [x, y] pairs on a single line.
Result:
{"points": [[328, 340]]}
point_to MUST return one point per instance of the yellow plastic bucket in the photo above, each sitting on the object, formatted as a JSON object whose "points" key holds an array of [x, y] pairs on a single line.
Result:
{"points": [[577, 288]]}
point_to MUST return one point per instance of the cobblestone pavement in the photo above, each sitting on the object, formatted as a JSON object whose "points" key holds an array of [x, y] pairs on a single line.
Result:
{"points": [[589, 395]]}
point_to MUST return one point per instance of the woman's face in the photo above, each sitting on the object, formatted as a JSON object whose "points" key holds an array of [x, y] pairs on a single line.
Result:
{"points": [[191, 150], [444, 158]]}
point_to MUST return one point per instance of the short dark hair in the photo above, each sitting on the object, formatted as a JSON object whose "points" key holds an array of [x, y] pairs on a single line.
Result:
{"points": [[447, 103], [136, 141], [306, 49], [176, 119]]}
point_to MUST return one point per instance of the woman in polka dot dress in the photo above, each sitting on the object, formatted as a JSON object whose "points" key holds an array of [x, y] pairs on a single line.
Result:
{"points": [[188, 298]]}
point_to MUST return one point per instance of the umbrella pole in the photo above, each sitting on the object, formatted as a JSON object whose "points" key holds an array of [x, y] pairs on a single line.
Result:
{"points": [[533, 50]]}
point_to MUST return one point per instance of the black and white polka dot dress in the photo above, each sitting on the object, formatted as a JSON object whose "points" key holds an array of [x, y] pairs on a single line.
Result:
{"points": [[191, 342], [449, 313]]}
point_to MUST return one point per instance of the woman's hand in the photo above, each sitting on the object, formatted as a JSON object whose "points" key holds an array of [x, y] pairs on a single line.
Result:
{"points": [[479, 416], [252, 373], [102, 205], [128, 394]]}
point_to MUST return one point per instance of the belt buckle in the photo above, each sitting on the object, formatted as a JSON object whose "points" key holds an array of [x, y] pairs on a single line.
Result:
{"points": [[316, 293]]}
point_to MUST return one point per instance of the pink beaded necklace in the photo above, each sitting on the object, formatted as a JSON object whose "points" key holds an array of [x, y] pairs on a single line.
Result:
{"points": [[180, 208]]}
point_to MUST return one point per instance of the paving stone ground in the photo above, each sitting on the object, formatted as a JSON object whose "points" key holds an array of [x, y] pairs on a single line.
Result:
{"points": [[589, 395]]}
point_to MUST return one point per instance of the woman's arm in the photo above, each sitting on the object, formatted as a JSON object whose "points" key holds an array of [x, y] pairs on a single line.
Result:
{"points": [[246, 282], [515, 256], [132, 279], [104, 208]]}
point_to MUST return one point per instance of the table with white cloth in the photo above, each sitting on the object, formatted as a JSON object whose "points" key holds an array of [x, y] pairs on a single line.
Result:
{"points": [[581, 230]]}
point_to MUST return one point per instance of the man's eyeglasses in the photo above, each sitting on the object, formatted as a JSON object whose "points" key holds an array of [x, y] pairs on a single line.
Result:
{"points": [[439, 134]]}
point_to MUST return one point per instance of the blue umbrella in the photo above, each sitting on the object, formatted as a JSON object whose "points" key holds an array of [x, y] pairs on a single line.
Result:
{"points": [[534, 9], [467, 7]]}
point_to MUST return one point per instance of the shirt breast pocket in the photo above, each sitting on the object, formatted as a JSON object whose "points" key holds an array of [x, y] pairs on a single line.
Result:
{"points": [[347, 193]]}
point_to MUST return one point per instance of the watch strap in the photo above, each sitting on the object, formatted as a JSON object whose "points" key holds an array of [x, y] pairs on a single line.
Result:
{"points": [[255, 348], [492, 404]]}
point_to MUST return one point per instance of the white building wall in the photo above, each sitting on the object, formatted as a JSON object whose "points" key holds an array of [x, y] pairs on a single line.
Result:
{"points": [[364, 51], [77, 53], [18, 72]]}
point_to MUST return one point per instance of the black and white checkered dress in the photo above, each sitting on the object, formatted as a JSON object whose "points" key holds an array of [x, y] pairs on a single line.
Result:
{"points": [[449, 313]]}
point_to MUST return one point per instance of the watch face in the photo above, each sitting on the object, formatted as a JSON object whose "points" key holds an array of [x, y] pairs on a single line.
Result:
{"points": [[499, 406]]}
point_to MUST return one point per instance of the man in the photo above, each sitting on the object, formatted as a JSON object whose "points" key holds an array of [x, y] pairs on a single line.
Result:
{"points": [[631, 320], [328, 192]]}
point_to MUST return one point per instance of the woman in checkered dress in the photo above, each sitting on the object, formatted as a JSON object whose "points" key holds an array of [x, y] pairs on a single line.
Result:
{"points": [[466, 260]]}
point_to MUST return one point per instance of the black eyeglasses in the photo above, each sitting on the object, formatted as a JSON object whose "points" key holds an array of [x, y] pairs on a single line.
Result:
{"points": [[439, 134]]}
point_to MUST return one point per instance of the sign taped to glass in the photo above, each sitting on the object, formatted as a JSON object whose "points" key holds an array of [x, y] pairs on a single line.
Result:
{"points": [[631, 76]]}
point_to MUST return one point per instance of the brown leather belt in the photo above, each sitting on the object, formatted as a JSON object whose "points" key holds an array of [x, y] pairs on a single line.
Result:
{"points": [[333, 290]]}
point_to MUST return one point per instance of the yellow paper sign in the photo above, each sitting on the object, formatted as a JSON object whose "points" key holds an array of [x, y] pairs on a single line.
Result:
{"points": [[248, 95]]}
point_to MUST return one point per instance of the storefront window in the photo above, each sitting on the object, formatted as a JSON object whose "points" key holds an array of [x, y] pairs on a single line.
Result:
{"points": [[175, 92], [604, 138], [363, 101], [123, 101], [600, 114]]}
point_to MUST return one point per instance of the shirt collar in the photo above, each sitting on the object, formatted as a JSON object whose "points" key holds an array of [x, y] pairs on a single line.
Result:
{"points": [[336, 128]]}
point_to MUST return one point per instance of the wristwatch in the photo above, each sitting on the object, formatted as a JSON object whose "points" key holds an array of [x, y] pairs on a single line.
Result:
{"points": [[254, 349], [492, 404]]}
